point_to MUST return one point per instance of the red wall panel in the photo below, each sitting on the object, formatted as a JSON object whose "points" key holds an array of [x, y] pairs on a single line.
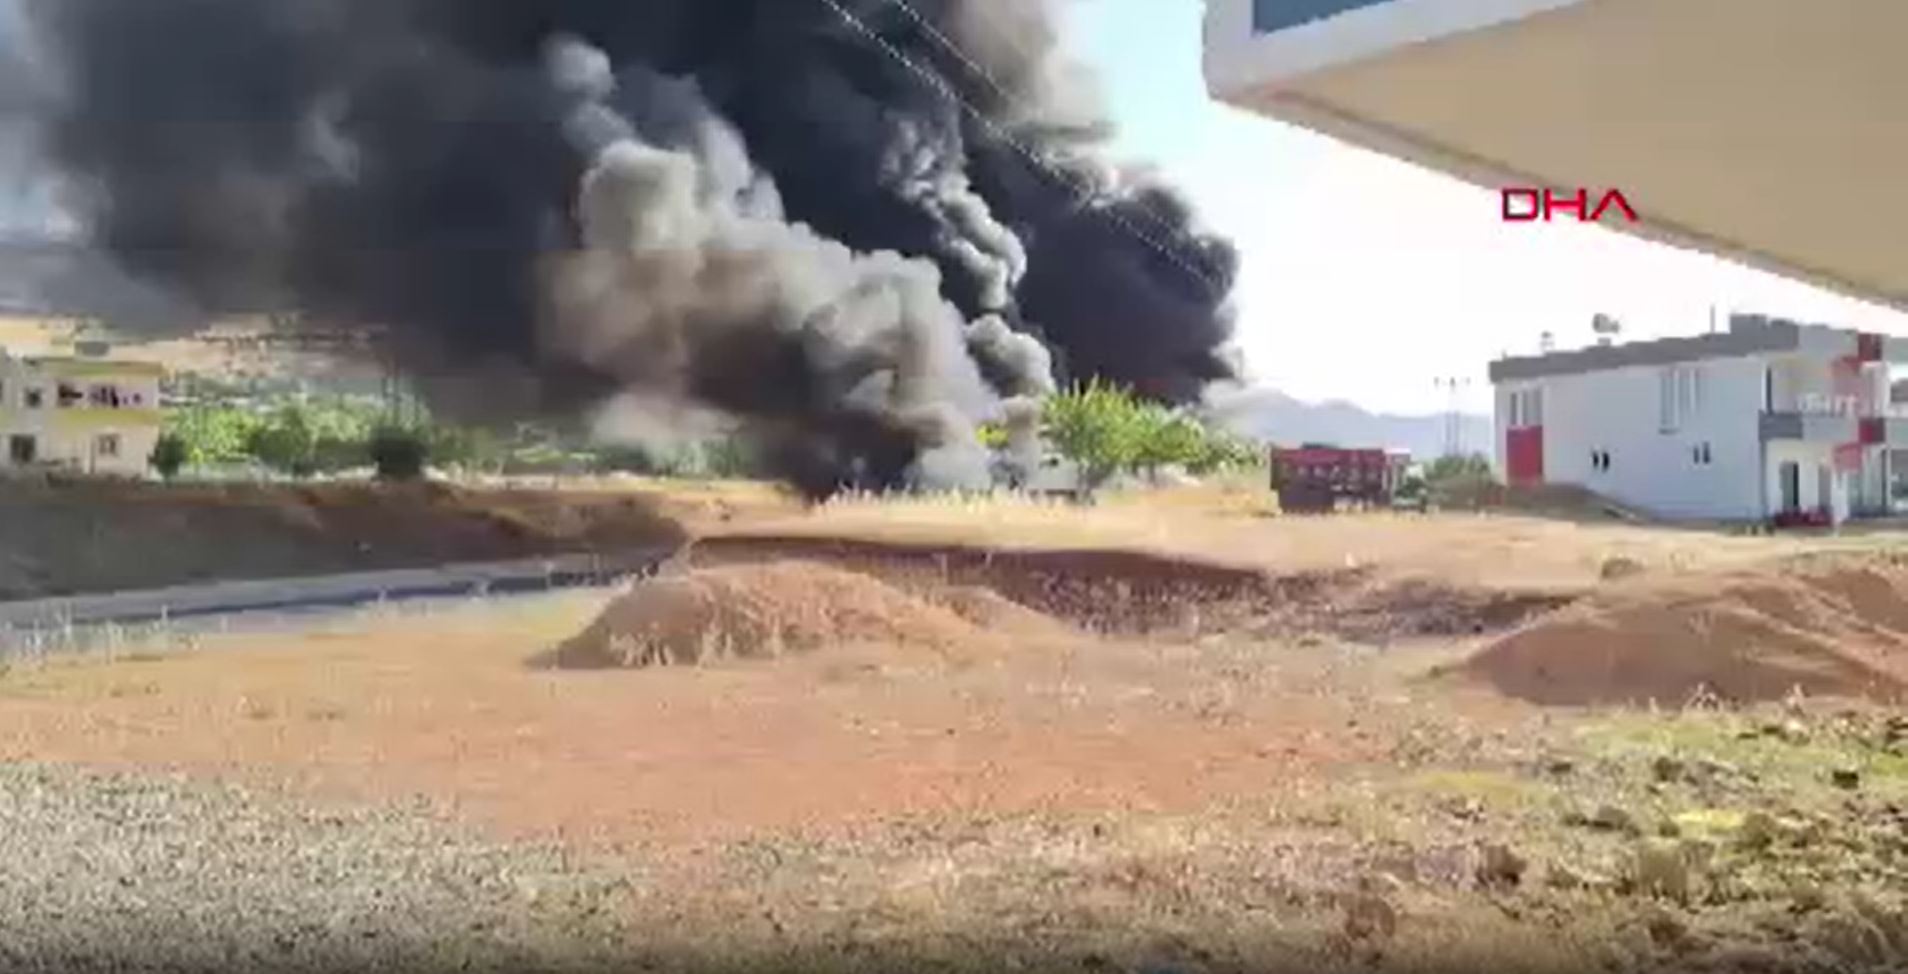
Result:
{"points": [[1524, 455]]}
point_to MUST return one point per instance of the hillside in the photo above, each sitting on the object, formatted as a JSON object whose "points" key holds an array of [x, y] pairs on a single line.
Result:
{"points": [[1273, 416], [39, 277]]}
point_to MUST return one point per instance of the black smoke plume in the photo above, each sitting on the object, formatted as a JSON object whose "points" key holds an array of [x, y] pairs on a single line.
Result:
{"points": [[856, 228]]}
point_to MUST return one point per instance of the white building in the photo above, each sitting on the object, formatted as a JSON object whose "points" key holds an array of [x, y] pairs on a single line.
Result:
{"points": [[1763, 130], [1769, 418], [90, 415]]}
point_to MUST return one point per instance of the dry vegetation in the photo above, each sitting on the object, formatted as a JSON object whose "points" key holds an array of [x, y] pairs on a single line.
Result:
{"points": [[983, 735]]}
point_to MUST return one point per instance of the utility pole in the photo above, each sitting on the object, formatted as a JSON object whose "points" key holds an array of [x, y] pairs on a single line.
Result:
{"points": [[1454, 387]]}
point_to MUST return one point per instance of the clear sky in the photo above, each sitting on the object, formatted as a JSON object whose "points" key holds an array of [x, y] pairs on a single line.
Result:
{"points": [[1367, 279]]}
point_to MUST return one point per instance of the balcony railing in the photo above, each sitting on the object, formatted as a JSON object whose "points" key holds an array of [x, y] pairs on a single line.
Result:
{"points": [[1858, 407]]}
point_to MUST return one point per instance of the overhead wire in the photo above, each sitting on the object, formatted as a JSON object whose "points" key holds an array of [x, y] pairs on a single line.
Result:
{"points": [[1084, 191]]}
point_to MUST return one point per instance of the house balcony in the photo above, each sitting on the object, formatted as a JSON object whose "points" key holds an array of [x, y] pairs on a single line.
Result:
{"points": [[1839, 420]]}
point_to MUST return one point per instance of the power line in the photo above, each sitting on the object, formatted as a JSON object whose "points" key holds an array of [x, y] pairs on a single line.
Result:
{"points": [[1083, 191], [1014, 41]]}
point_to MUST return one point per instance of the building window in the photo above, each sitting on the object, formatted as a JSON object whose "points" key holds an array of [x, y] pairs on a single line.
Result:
{"points": [[1526, 408], [22, 450], [1680, 396], [107, 446], [69, 395], [1600, 461], [106, 396], [35, 398]]}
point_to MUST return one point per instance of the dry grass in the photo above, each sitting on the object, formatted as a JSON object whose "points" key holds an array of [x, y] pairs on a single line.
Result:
{"points": [[1496, 551], [1221, 801]]}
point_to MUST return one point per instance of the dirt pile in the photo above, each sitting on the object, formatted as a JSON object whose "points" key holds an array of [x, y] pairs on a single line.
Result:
{"points": [[1829, 626], [1100, 590], [1125, 593], [770, 610]]}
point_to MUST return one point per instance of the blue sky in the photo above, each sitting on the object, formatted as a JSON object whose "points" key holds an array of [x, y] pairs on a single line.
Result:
{"points": [[1367, 279]]}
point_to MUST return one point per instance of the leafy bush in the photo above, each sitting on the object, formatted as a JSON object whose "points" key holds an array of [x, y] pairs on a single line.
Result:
{"points": [[286, 442], [170, 454], [214, 434], [399, 453], [993, 436], [1457, 481]]}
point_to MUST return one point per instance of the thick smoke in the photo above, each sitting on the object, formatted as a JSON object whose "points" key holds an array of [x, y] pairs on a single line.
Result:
{"points": [[856, 228]]}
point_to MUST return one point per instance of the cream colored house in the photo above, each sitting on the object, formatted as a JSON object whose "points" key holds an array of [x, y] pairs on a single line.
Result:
{"points": [[92, 415]]}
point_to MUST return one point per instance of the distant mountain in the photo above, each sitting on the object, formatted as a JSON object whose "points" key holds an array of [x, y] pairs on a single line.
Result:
{"points": [[1273, 416]]}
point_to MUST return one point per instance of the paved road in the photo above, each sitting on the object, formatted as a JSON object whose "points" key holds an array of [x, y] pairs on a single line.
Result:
{"points": [[191, 603]]}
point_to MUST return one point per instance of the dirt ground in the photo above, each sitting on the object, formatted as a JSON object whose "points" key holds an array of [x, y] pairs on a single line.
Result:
{"points": [[1269, 760]]}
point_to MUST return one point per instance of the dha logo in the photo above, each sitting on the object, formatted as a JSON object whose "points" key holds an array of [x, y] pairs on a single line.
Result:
{"points": [[1525, 205]]}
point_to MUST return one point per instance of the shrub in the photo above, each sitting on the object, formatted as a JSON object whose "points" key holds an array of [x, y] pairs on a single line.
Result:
{"points": [[399, 453], [170, 454], [287, 442], [214, 434], [1459, 481]]}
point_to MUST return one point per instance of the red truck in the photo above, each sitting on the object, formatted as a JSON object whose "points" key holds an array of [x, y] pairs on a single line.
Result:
{"points": [[1318, 478]]}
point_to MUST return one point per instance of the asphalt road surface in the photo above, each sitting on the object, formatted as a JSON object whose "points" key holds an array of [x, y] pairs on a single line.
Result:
{"points": [[221, 605]]}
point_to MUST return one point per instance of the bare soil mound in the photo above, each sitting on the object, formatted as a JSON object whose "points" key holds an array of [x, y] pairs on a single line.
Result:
{"points": [[1138, 593], [1828, 626], [760, 612]]}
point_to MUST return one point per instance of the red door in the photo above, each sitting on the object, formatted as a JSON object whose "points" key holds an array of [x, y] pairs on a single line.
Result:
{"points": [[1524, 455]]}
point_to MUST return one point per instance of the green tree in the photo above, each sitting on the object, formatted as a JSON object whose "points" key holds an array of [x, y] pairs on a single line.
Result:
{"points": [[170, 454], [1458, 469], [214, 434], [1458, 480], [287, 442], [1099, 427], [1222, 451], [1168, 438]]}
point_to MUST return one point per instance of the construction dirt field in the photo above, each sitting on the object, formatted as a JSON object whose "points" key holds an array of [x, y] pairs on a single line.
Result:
{"points": [[1167, 733]]}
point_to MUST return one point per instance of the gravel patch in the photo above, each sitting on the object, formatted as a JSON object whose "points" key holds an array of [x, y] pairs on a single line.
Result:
{"points": [[108, 872]]}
